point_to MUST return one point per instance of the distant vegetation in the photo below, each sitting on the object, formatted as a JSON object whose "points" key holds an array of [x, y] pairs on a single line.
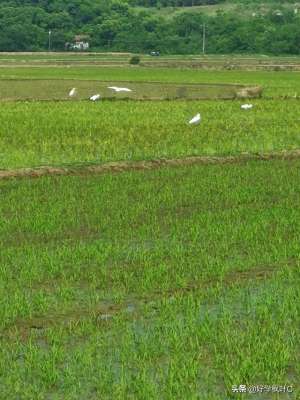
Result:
{"points": [[173, 3], [115, 25], [191, 3]]}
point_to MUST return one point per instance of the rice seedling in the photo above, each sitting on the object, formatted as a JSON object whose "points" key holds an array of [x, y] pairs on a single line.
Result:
{"points": [[174, 283], [276, 84], [55, 133]]}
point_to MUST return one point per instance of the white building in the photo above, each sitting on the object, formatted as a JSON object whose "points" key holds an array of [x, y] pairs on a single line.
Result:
{"points": [[81, 42]]}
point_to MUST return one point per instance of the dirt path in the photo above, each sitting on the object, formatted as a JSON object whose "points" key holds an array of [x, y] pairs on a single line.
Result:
{"points": [[116, 167]]}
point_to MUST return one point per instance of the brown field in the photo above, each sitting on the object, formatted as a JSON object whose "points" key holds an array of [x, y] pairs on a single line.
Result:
{"points": [[52, 89]]}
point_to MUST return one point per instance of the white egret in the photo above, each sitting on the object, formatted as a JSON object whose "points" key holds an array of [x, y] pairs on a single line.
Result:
{"points": [[95, 97], [119, 89], [195, 120], [246, 106], [72, 92]]}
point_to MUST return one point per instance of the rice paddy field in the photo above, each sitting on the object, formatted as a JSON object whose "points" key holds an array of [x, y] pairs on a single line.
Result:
{"points": [[180, 282], [57, 89], [109, 59]]}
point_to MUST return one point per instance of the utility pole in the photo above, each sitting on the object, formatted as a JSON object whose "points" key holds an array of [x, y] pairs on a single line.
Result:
{"points": [[49, 41], [203, 39]]}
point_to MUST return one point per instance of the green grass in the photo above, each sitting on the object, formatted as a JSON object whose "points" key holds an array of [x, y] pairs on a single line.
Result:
{"points": [[21, 58], [55, 133], [274, 83], [16, 57], [175, 283]]}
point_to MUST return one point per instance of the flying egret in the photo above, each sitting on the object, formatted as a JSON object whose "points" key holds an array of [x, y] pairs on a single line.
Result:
{"points": [[196, 120], [246, 106], [119, 89], [95, 97], [72, 92]]}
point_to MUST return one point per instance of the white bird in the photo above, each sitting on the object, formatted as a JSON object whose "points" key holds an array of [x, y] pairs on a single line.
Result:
{"points": [[119, 89], [72, 92], [246, 106], [95, 97], [196, 120]]}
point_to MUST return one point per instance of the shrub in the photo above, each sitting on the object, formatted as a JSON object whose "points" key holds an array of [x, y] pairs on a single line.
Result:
{"points": [[135, 60]]}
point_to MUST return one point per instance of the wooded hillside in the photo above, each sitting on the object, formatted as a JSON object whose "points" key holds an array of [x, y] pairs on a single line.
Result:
{"points": [[120, 26]]}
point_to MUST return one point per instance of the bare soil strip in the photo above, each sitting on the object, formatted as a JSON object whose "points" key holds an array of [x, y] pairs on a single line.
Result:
{"points": [[123, 166]]}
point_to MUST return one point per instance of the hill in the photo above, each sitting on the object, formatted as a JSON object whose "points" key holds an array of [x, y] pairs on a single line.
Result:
{"points": [[240, 8], [114, 25]]}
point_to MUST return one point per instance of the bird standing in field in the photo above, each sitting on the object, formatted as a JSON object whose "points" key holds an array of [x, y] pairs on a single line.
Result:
{"points": [[119, 89], [195, 120], [73, 92], [95, 97], [246, 106]]}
